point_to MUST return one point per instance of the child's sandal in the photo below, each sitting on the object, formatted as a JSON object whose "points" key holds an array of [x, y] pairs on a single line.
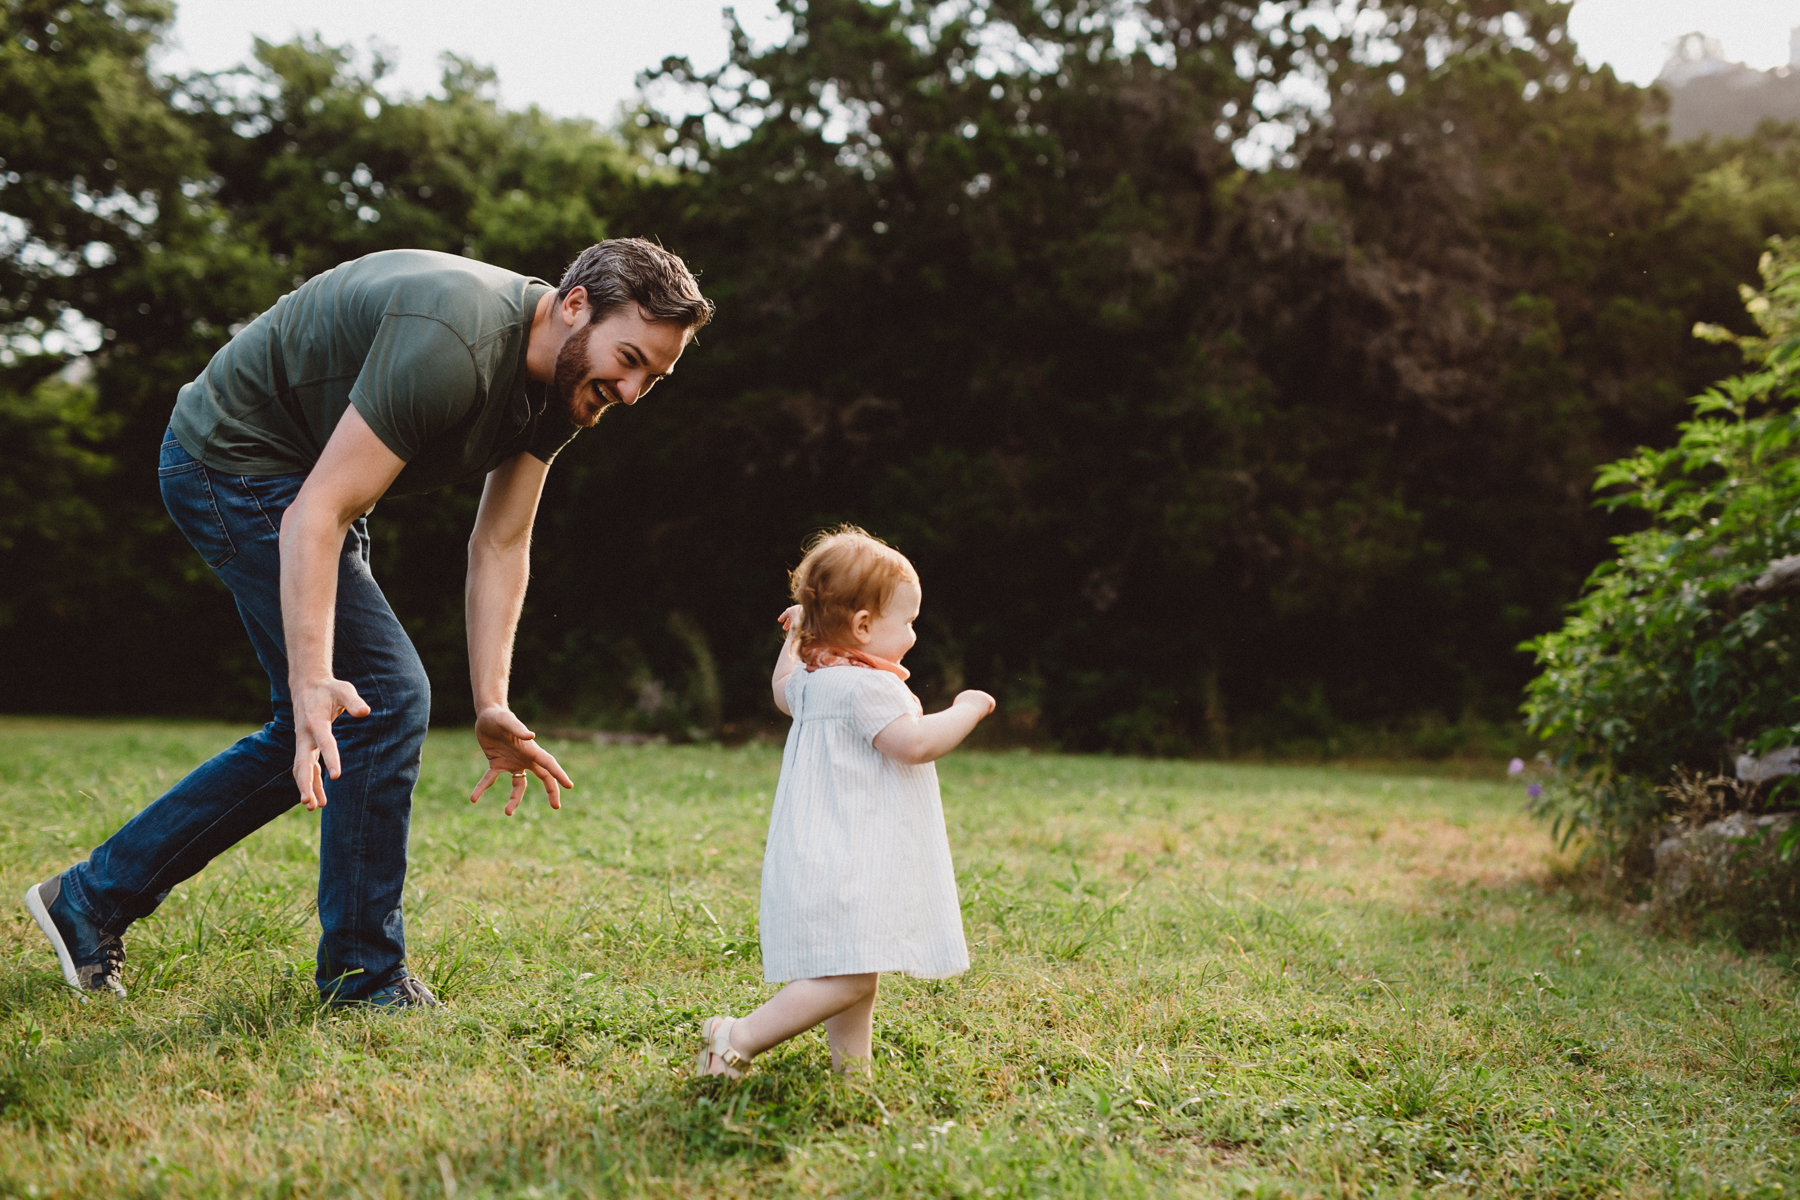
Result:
{"points": [[715, 1042]]}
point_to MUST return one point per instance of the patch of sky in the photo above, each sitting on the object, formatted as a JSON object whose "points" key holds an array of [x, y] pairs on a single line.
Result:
{"points": [[729, 101]]}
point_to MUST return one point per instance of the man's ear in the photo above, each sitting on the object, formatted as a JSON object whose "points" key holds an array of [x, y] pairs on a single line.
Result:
{"points": [[574, 305], [862, 625]]}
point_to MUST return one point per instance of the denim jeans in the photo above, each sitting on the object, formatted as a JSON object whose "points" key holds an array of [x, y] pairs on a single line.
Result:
{"points": [[234, 522]]}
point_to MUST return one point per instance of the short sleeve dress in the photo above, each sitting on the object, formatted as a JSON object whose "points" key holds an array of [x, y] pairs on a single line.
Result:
{"points": [[857, 874]]}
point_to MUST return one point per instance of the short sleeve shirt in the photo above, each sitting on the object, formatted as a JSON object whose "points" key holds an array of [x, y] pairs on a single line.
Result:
{"points": [[429, 348], [880, 701]]}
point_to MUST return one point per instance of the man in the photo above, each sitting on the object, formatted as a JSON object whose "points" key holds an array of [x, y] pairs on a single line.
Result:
{"points": [[393, 374]]}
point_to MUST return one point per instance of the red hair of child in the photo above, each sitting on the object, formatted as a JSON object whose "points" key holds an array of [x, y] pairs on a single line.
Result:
{"points": [[844, 571]]}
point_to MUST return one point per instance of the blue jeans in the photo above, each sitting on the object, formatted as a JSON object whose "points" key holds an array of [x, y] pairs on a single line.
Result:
{"points": [[234, 521]]}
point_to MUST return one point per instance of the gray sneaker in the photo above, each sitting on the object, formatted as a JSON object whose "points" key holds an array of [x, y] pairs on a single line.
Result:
{"points": [[91, 958], [408, 993]]}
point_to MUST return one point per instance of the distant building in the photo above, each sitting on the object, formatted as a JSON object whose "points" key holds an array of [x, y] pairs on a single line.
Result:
{"points": [[1708, 95]]}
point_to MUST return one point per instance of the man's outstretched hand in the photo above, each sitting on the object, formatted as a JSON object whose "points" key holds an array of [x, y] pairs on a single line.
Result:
{"points": [[316, 706], [512, 749]]}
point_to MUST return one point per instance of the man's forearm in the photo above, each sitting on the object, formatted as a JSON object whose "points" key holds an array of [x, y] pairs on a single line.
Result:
{"points": [[493, 598], [310, 544], [352, 473]]}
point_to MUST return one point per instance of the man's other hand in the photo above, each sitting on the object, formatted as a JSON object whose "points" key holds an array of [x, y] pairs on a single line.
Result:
{"points": [[512, 749], [316, 706]]}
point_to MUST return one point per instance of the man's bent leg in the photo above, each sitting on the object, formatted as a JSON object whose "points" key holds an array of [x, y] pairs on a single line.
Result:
{"points": [[363, 826], [214, 807], [243, 788], [234, 522]]}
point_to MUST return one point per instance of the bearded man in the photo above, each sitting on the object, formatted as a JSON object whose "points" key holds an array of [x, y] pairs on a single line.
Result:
{"points": [[393, 374]]}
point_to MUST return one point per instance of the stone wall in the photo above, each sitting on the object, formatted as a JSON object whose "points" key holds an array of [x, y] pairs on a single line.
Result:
{"points": [[1729, 864]]}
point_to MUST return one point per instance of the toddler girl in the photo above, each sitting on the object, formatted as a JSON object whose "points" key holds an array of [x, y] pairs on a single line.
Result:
{"points": [[856, 877]]}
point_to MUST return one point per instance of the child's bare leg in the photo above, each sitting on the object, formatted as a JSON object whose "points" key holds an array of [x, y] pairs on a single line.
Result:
{"points": [[852, 1034], [801, 1005]]}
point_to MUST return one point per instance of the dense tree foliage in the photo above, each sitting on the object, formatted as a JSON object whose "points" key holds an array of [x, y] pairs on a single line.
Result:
{"points": [[1190, 455]]}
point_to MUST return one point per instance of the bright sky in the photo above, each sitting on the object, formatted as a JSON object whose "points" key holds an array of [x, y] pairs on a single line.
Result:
{"points": [[571, 59], [1634, 35], [582, 59]]}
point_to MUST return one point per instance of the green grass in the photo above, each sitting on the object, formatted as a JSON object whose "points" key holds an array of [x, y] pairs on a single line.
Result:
{"points": [[1189, 979]]}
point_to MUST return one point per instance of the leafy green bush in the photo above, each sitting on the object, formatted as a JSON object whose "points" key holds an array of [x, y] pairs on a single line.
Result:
{"points": [[1673, 658]]}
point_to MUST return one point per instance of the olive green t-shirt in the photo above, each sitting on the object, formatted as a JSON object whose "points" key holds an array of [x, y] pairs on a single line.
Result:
{"points": [[429, 347]]}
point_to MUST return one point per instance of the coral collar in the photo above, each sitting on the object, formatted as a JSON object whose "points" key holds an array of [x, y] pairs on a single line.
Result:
{"points": [[824, 654]]}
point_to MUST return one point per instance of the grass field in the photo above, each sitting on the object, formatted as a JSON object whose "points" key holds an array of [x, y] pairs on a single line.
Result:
{"points": [[1189, 979]]}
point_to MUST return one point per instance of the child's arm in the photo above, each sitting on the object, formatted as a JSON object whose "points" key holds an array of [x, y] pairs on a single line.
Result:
{"points": [[788, 659], [916, 740]]}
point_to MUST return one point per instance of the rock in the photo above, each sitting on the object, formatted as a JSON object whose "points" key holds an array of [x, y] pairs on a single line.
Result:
{"points": [[1728, 862], [1773, 765], [1780, 579], [1782, 576]]}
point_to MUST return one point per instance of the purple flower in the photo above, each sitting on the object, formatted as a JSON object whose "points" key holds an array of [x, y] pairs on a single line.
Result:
{"points": [[1535, 790], [1515, 766]]}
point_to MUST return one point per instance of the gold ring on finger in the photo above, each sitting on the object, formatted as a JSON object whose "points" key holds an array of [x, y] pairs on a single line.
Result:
{"points": [[518, 774]]}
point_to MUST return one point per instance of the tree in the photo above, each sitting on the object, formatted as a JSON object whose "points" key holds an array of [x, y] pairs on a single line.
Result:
{"points": [[1191, 454], [159, 215], [1178, 446]]}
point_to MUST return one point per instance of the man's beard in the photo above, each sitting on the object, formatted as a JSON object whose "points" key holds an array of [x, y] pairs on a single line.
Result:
{"points": [[573, 366]]}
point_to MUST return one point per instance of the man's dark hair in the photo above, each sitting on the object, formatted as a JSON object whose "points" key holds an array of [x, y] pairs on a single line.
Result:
{"points": [[622, 271]]}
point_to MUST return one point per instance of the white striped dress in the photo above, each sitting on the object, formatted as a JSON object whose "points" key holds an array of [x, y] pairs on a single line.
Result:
{"points": [[857, 874]]}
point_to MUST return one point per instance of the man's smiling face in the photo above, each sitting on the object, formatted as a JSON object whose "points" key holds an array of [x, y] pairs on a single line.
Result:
{"points": [[615, 360]]}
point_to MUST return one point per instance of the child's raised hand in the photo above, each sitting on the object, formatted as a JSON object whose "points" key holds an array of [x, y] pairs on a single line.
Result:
{"points": [[790, 618], [975, 699]]}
